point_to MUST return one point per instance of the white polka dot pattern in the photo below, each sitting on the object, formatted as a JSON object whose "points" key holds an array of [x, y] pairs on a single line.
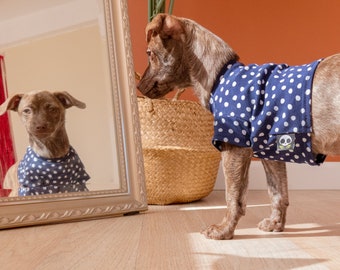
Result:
{"points": [[254, 104], [38, 175]]}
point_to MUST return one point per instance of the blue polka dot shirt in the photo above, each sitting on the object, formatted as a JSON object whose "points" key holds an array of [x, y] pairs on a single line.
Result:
{"points": [[38, 175], [266, 107]]}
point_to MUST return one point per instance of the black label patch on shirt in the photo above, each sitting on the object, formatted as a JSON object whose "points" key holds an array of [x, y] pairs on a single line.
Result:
{"points": [[285, 142]]}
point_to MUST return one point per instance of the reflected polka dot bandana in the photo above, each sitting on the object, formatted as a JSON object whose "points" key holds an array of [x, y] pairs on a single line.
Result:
{"points": [[266, 107], [38, 175]]}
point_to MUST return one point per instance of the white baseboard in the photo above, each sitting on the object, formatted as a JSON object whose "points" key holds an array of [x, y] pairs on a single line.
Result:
{"points": [[326, 176]]}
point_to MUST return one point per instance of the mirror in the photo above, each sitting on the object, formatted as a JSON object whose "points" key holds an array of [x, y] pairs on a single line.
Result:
{"points": [[87, 52]]}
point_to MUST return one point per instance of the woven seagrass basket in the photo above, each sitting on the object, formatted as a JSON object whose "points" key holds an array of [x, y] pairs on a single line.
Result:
{"points": [[180, 162]]}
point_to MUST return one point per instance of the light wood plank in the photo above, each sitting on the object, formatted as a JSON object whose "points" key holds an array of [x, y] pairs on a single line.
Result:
{"points": [[167, 237]]}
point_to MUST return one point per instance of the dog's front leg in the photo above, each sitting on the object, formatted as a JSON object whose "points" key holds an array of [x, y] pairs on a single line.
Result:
{"points": [[235, 162], [278, 193]]}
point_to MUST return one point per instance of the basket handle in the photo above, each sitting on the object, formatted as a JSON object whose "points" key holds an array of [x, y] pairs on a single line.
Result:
{"points": [[178, 93]]}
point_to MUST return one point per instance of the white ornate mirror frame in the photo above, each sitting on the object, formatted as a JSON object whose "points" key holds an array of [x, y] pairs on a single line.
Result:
{"points": [[131, 196]]}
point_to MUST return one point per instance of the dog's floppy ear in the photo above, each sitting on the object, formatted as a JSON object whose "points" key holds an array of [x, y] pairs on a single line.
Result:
{"points": [[164, 25], [11, 104], [68, 101]]}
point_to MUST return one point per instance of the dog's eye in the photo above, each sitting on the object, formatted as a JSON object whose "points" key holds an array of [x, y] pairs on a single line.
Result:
{"points": [[148, 52], [27, 111], [52, 109]]}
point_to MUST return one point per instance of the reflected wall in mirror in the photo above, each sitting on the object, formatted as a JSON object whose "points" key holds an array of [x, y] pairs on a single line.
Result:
{"points": [[82, 47]]}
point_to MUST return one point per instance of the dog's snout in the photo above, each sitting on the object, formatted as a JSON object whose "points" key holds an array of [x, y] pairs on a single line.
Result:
{"points": [[146, 85], [40, 128]]}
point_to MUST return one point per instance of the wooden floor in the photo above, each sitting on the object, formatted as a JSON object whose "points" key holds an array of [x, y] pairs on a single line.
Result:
{"points": [[167, 237]]}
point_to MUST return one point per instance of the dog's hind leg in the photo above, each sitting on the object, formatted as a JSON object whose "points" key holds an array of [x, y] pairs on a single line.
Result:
{"points": [[235, 162], [278, 193]]}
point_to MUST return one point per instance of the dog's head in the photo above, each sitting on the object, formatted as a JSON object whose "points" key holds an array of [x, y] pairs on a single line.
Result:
{"points": [[41, 112], [167, 67]]}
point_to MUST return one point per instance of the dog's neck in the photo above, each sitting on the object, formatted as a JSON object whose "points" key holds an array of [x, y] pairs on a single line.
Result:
{"points": [[54, 146], [209, 54]]}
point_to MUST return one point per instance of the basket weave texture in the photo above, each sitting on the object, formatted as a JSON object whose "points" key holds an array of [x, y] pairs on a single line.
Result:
{"points": [[179, 160]]}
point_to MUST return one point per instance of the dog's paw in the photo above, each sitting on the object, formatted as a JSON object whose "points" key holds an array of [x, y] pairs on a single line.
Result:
{"points": [[218, 232], [271, 225]]}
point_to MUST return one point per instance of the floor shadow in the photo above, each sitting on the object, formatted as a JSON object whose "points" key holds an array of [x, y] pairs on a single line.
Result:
{"points": [[317, 231], [225, 261]]}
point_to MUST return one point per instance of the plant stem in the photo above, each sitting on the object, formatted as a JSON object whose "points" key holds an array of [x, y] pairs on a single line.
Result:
{"points": [[171, 6], [158, 6]]}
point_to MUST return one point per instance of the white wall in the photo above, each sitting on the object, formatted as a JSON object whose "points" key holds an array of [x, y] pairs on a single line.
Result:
{"points": [[23, 20], [300, 176]]}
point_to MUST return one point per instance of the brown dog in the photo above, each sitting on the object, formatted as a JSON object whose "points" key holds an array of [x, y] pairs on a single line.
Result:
{"points": [[182, 54], [46, 167]]}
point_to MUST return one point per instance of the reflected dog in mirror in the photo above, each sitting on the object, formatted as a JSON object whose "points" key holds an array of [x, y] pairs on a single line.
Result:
{"points": [[259, 110], [50, 164]]}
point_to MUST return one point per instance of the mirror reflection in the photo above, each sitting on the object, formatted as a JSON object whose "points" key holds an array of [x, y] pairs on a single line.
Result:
{"points": [[50, 164], [62, 54]]}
